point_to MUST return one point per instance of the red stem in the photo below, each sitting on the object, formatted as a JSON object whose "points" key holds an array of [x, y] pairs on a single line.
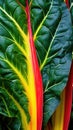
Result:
{"points": [[49, 126], [37, 74], [69, 89], [68, 99], [67, 3]]}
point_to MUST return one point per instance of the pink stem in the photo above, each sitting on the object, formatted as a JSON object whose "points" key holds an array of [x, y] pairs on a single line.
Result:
{"points": [[37, 74], [68, 99]]}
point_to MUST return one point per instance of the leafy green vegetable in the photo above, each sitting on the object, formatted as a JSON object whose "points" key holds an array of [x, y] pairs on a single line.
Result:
{"points": [[13, 67], [52, 34], [71, 12], [51, 30], [19, 71]]}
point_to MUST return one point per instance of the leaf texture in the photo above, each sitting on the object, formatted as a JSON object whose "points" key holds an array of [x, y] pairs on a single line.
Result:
{"points": [[18, 65], [13, 66], [51, 33]]}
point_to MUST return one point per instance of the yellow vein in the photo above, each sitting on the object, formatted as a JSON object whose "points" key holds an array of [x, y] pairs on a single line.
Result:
{"points": [[49, 99], [51, 87], [46, 86], [40, 26], [21, 6], [17, 25], [30, 3], [5, 102], [14, 41], [22, 79], [21, 110], [6, 107], [45, 59], [20, 48], [17, 44]]}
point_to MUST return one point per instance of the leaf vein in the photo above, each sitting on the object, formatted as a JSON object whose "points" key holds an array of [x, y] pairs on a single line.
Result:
{"points": [[16, 24], [49, 48], [40, 26]]}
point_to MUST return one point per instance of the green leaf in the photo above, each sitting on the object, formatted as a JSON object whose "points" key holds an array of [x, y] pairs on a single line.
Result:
{"points": [[13, 67], [9, 123], [52, 34], [71, 12], [17, 92], [51, 29]]}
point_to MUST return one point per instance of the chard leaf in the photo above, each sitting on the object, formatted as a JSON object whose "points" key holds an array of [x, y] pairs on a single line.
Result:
{"points": [[19, 70], [71, 12], [9, 123], [20, 83], [13, 67], [52, 34]]}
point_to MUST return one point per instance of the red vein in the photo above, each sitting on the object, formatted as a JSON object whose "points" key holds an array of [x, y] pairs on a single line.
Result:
{"points": [[67, 3], [68, 99], [37, 74]]}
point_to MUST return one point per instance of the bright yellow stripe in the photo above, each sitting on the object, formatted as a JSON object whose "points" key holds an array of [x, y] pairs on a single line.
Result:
{"points": [[48, 51], [20, 48], [18, 45], [58, 117], [40, 26], [17, 25], [14, 41], [33, 106], [25, 125], [22, 79], [30, 88]]}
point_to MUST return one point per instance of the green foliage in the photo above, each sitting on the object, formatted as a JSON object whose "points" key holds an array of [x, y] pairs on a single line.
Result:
{"points": [[52, 30]]}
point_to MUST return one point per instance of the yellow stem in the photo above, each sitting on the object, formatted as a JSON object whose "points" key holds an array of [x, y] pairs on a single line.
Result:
{"points": [[58, 116]]}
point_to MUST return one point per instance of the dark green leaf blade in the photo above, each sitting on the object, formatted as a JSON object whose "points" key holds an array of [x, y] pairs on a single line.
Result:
{"points": [[13, 66], [52, 35], [8, 123], [51, 31]]}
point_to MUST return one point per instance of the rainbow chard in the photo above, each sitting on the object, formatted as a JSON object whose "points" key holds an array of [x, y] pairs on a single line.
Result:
{"points": [[61, 118], [55, 65], [67, 3], [71, 11], [23, 23], [20, 77]]}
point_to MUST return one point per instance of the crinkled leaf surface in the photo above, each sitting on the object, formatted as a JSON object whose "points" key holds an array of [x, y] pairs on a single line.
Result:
{"points": [[52, 35], [19, 71], [51, 28], [13, 67], [71, 11]]}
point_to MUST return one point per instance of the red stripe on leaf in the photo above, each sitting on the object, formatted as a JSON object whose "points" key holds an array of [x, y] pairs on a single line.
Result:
{"points": [[61, 118], [37, 74], [67, 3], [68, 99]]}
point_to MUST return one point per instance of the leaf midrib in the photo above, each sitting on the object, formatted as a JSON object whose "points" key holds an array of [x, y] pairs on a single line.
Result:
{"points": [[24, 36], [40, 26], [49, 48], [21, 78], [21, 111]]}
